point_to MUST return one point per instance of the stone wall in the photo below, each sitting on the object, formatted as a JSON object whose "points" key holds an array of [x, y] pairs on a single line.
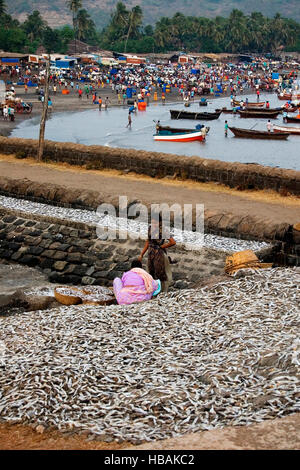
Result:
{"points": [[217, 223], [161, 165], [71, 253]]}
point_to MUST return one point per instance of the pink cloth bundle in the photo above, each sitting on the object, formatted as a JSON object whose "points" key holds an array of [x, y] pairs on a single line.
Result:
{"points": [[136, 285]]}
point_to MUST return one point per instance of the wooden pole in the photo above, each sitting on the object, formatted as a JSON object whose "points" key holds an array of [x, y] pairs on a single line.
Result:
{"points": [[44, 112]]}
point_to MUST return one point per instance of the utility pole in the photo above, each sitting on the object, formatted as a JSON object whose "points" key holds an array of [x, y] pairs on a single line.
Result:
{"points": [[44, 112]]}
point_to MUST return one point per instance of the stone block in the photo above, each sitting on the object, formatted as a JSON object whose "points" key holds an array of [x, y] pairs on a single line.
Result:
{"points": [[48, 253], [36, 250], [60, 265], [59, 255], [87, 280], [9, 219], [74, 257]]}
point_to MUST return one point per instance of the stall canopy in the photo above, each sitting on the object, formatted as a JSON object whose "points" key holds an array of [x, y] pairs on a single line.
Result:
{"points": [[65, 63]]}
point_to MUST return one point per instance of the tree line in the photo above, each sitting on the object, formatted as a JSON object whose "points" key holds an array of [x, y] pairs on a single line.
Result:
{"points": [[127, 33]]}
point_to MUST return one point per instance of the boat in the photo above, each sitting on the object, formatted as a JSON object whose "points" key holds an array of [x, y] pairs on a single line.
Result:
{"points": [[290, 130], [285, 97], [190, 136], [259, 104], [254, 134], [293, 119], [176, 130], [224, 110], [289, 96], [263, 110], [290, 109], [247, 113], [190, 115]]}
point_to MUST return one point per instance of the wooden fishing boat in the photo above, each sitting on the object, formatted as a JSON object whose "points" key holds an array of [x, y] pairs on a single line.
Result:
{"points": [[176, 130], [290, 109], [262, 110], [289, 96], [224, 110], [290, 130], [191, 136], [190, 115], [293, 119], [254, 134], [284, 97], [258, 114], [259, 104]]}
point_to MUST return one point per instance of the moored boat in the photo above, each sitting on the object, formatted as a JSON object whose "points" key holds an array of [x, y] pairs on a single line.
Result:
{"points": [[176, 130], [258, 114], [289, 96], [166, 136], [290, 130], [254, 134], [259, 104], [293, 119], [190, 115]]}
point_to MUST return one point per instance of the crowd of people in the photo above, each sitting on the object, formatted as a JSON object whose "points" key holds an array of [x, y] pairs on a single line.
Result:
{"points": [[145, 81]]}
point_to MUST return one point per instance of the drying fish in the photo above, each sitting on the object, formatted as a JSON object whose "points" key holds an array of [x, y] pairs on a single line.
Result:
{"points": [[184, 362]]}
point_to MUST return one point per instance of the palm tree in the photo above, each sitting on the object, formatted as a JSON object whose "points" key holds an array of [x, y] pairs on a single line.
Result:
{"points": [[85, 24], [2, 7], [74, 6], [135, 22]]}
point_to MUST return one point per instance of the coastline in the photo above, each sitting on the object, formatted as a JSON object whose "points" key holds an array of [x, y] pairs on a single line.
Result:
{"points": [[71, 103]]}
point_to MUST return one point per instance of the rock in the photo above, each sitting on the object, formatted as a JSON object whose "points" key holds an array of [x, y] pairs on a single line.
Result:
{"points": [[86, 280], [40, 429], [60, 265]]}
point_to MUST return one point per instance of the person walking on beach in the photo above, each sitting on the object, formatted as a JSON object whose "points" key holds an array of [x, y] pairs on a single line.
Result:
{"points": [[106, 103], [226, 128], [129, 120], [100, 103], [269, 126], [5, 113]]}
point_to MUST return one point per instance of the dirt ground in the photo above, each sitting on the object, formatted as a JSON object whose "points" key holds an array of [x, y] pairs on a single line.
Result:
{"points": [[277, 434], [262, 204], [20, 437]]}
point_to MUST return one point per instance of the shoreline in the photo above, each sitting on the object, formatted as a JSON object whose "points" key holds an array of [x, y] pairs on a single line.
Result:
{"points": [[71, 103]]}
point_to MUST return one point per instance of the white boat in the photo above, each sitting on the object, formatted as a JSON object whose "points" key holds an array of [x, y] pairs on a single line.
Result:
{"points": [[290, 130], [167, 136]]}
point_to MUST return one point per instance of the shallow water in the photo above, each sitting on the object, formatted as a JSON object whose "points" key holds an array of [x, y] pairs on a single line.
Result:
{"points": [[109, 128]]}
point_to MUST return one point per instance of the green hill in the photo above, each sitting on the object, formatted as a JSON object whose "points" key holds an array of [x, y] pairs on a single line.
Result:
{"points": [[56, 13]]}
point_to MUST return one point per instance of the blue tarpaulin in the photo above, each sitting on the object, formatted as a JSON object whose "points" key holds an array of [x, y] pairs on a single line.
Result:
{"points": [[129, 92], [65, 64], [195, 71], [113, 71], [6, 60], [275, 76]]}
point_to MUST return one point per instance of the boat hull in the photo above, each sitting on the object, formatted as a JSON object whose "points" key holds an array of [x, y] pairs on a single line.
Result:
{"points": [[175, 130], [290, 130], [259, 104], [251, 134], [292, 119], [195, 116], [262, 115], [191, 137]]}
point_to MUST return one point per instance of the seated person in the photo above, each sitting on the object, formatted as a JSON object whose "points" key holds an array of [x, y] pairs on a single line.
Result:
{"points": [[136, 285]]}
